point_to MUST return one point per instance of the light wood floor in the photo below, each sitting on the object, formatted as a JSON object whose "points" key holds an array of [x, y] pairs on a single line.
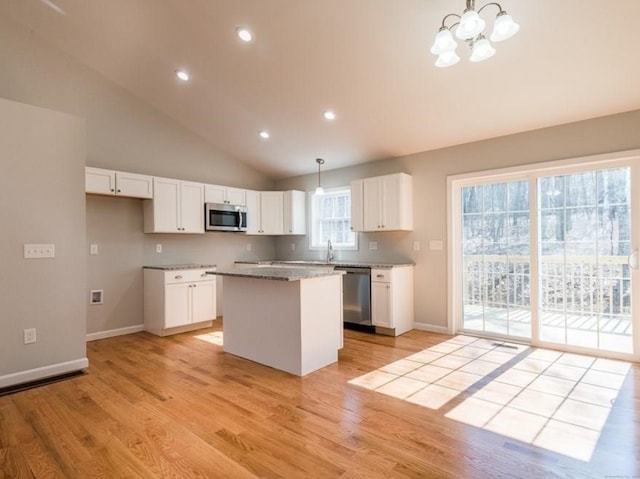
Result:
{"points": [[180, 407]]}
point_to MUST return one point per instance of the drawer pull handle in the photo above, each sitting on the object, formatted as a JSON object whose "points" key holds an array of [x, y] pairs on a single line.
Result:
{"points": [[379, 275], [179, 276]]}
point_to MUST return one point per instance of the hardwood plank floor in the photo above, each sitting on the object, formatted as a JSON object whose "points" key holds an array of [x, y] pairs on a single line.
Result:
{"points": [[180, 407]]}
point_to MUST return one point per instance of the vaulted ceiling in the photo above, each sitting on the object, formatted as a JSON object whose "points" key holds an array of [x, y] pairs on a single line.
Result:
{"points": [[368, 60]]}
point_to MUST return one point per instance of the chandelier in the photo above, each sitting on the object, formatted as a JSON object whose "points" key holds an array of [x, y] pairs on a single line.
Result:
{"points": [[470, 28]]}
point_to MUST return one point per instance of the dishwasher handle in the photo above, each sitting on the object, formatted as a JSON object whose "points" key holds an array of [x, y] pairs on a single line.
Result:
{"points": [[355, 270]]}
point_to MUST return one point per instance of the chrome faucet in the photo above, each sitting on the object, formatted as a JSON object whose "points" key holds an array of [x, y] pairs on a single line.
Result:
{"points": [[330, 255]]}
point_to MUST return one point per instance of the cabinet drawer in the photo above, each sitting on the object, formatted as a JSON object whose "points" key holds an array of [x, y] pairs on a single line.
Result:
{"points": [[381, 275], [186, 276]]}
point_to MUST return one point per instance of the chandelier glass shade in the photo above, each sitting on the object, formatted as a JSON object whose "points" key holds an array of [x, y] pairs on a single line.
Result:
{"points": [[470, 27]]}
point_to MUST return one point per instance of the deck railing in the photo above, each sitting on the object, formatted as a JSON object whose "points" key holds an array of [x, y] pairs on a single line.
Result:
{"points": [[569, 284]]}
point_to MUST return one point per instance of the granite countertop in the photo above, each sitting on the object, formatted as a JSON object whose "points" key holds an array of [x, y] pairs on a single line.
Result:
{"points": [[175, 267], [279, 274], [345, 264]]}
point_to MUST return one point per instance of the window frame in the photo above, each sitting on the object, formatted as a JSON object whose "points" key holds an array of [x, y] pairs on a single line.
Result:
{"points": [[313, 205]]}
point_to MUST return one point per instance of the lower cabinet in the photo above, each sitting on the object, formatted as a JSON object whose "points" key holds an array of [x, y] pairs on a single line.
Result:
{"points": [[178, 300], [392, 300]]}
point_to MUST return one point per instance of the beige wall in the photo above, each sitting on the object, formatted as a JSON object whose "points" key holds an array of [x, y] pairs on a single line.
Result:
{"points": [[126, 134], [430, 171], [42, 201]]}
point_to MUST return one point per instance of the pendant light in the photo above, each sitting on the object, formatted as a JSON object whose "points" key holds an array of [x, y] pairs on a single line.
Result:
{"points": [[470, 27], [319, 188]]}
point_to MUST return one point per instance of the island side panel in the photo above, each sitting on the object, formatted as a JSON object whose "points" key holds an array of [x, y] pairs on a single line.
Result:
{"points": [[321, 318], [261, 321]]}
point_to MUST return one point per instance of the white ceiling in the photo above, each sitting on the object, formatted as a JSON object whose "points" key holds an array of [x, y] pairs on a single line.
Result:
{"points": [[368, 60]]}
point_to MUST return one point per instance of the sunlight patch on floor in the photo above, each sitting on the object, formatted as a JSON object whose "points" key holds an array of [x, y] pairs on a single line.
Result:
{"points": [[553, 400], [214, 337]]}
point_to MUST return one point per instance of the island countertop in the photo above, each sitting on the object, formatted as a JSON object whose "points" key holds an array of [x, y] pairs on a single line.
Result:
{"points": [[278, 274]]}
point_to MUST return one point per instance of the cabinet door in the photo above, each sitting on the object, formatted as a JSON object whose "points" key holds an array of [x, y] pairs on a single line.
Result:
{"points": [[381, 305], [191, 207], [390, 203], [176, 304], [357, 218], [99, 181], [253, 212], [372, 202], [165, 205], [203, 301], [272, 212], [237, 196], [294, 212], [214, 194], [134, 185]]}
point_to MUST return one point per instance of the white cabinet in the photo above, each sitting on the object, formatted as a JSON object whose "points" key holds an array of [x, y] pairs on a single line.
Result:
{"points": [[225, 195], [177, 207], [382, 203], [276, 212], [178, 300], [119, 183], [294, 212], [392, 300]]}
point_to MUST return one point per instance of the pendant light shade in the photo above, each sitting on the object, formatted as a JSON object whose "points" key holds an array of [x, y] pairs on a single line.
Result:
{"points": [[319, 188], [447, 59], [482, 50], [504, 27], [471, 25], [443, 42]]}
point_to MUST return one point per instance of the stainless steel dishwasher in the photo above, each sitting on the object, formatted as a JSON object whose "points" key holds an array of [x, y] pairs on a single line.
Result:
{"points": [[356, 297]]}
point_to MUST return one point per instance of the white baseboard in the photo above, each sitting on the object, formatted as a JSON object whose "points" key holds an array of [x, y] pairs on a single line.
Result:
{"points": [[431, 328], [115, 332], [43, 372]]}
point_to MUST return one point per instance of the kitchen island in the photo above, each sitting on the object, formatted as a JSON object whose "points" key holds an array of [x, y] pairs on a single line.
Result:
{"points": [[289, 319]]}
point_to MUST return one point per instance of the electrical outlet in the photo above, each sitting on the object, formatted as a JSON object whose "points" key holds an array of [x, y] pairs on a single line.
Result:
{"points": [[94, 249], [293, 246], [36, 251], [248, 246], [416, 246], [30, 336], [373, 245], [158, 248]]}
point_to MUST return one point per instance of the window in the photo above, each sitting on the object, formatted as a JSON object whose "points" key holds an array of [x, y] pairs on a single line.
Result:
{"points": [[331, 220]]}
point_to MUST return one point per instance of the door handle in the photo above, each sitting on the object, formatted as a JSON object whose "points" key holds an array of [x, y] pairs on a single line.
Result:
{"points": [[632, 259]]}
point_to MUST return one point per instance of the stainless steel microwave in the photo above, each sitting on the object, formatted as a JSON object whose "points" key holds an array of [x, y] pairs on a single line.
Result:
{"points": [[221, 217]]}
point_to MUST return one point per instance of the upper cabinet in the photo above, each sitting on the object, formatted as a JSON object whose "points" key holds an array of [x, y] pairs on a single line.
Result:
{"points": [[275, 212], [108, 182], [294, 212], [177, 207], [382, 203], [225, 195]]}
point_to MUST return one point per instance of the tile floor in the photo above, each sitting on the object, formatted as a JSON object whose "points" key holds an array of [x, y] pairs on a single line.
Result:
{"points": [[558, 401]]}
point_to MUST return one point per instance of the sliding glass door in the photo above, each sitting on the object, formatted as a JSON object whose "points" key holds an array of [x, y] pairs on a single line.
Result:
{"points": [[496, 259], [585, 253], [549, 258]]}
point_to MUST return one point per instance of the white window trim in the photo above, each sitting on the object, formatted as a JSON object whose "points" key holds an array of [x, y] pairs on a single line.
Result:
{"points": [[310, 225]]}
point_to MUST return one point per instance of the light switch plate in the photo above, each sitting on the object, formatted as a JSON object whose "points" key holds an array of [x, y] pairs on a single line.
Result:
{"points": [[416, 246], [373, 245], [94, 249], [158, 248], [30, 336], [36, 251], [248, 246]]}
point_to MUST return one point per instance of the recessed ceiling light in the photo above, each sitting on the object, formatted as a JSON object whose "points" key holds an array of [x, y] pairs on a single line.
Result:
{"points": [[264, 135], [183, 75], [244, 34], [329, 115]]}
